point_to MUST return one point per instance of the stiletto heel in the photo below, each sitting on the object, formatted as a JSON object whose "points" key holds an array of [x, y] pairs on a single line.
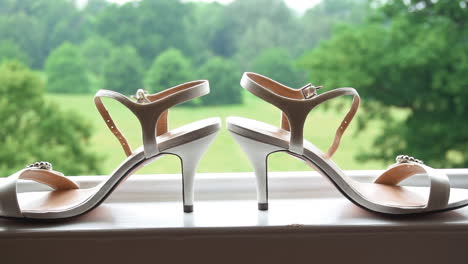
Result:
{"points": [[188, 142], [257, 153], [259, 139], [190, 155]]}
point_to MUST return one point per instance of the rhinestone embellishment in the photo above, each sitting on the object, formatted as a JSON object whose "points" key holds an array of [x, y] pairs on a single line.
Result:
{"points": [[43, 165], [407, 159]]}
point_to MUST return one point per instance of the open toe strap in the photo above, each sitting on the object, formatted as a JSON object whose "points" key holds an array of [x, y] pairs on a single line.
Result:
{"points": [[296, 104], [151, 110], [9, 205], [439, 192]]}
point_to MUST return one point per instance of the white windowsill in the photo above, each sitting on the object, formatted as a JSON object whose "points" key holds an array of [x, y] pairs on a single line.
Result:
{"points": [[236, 186], [148, 208]]}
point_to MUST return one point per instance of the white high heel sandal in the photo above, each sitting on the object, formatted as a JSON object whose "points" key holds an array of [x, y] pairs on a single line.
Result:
{"points": [[259, 139], [67, 200]]}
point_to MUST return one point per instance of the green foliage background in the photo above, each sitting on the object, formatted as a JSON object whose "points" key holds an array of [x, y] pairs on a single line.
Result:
{"points": [[222, 74], [168, 69], [34, 129], [123, 71], [66, 72], [407, 58]]}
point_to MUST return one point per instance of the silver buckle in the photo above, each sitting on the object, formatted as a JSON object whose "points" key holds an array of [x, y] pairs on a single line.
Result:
{"points": [[309, 90], [140, 96]]}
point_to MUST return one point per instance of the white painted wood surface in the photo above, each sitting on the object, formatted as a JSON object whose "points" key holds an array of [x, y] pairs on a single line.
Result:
{"points": [[308, 222], [235, 186]]}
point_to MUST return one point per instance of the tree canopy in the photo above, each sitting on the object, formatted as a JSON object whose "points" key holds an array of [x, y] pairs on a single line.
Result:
{"points": [[123, 71], [224, 78], [34, 129], [96, 50], [40, 26], [277, 64], [169, 69], [150, 26], [404, 56], [10, 51], [66, 71], [410, 55]]}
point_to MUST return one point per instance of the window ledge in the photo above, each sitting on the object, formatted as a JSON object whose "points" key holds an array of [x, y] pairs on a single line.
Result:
{"points": [[237, 186], [144, 216]]}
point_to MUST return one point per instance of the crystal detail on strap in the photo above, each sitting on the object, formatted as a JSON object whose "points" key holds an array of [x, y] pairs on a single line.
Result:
{"points": [[407, 159], [43, 165]]}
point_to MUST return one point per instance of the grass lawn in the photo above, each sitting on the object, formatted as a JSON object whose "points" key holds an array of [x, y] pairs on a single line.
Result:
{"points": [[224, 155]]}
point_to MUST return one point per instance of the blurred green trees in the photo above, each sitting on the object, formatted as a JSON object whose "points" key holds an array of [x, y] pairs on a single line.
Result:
{"points": [[260, 25], [278, 64], [96, 50], [224, 78], [403, 54], [40, 26], [34, 130], [66, 71], [10, 51], [237, 33], [168, 69], [317, 23], [411, 56], [123, 71], [149, 26]]}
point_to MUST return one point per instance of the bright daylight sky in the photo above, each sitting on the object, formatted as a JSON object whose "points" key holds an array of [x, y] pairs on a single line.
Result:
{"points": [[297, 5]]}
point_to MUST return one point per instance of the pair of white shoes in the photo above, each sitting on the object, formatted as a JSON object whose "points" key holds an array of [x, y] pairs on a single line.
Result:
{"points": [[257, 139]]}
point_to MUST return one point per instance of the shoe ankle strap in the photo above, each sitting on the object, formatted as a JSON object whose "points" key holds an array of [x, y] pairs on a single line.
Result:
{"points": [[296, 104], [151, 111]]}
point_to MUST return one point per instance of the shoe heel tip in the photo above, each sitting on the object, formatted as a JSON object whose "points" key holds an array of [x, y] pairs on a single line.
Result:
{"points": [[262, 206], [188, 208]]}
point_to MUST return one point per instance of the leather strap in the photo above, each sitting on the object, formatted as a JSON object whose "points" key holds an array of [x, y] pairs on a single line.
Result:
{"points": [[439, 193], [301, 93], [9, 205], [111, 125], [152, 114], [296, 104]]}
